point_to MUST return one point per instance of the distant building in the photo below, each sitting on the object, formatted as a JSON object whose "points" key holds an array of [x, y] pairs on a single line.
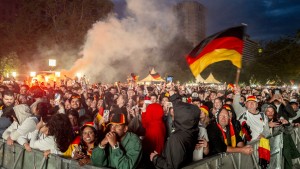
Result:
{"points": [[191, 16], [251, 50]]}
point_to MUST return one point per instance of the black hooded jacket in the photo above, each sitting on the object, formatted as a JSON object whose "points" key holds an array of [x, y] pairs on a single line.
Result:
{"points": [[179, 148]]}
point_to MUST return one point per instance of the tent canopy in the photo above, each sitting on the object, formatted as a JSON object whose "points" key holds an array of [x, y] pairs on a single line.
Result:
{"points": [[211, 79], [199, 79], [152, 77]]}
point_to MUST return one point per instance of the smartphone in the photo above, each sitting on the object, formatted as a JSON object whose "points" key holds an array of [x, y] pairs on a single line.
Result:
{"points": [[277, 92], [106, 115], [195, 94], [169, 79], [169, 104], [57, 97]]}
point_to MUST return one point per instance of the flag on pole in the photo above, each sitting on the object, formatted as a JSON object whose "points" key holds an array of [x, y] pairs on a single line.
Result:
{"points": [[224, 45]]}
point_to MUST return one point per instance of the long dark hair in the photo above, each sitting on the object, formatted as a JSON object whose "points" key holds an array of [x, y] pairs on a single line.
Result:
{"points": [[275, 115], [82, 143], [60, 127]]}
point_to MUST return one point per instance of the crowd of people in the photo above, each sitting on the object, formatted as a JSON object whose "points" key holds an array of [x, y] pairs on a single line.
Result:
{"points": [[126, 125]]}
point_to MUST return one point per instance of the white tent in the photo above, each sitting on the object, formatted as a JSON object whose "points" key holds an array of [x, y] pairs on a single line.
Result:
{"points": [[152, 77], [199, 79], [211, 79]]}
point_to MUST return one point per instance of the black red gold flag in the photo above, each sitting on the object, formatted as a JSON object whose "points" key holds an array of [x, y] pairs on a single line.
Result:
{"points": [[224, 45]]}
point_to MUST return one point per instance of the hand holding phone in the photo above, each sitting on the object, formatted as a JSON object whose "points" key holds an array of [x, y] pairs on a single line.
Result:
{"points": [[106, 115], [57, 98], [169, 104], [78, 154]]}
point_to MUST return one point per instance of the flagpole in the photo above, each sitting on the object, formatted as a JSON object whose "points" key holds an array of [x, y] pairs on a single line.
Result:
{"points": [[238, 72]]}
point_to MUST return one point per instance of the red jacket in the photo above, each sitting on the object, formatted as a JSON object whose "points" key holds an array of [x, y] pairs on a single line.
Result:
{"points": [[152, 121]]}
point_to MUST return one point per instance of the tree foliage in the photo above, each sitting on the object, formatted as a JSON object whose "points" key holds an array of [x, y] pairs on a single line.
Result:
{"points": [[9, 63], [279, 61], [62, 23]]}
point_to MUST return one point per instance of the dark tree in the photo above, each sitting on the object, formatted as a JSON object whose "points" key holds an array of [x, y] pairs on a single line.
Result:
{"points": [[50, 24]]}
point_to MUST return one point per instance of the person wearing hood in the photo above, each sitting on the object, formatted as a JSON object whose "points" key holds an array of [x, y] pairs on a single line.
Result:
{"points": [[295, 105], [152, 121], [155, 130], [289, 149], [283, 108], [179, 148], [20, 126], [43, 111]]}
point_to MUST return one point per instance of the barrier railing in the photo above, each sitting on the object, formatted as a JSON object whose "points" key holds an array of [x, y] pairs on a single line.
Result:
{"points": [[15, 157], [296, 139], [241, 161], [12, 157]]}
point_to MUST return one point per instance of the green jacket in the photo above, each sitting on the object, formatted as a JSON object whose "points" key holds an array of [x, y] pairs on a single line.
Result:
{"points": [[127, 156]]}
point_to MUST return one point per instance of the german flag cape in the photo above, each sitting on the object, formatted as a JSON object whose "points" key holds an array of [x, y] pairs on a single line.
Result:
{"points": [[232, 135], [99, 115], [71, 147], [225, 45]]}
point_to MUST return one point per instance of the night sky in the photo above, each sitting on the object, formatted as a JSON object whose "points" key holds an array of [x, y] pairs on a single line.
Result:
{"points": [[266, 19]]}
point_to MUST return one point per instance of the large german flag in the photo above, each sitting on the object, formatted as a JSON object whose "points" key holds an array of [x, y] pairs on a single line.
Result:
{"points": [[224, 45]]}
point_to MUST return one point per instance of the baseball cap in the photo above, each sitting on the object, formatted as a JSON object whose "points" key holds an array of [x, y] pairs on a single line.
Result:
{"points": [[90, 124], [251, 98], [118, 118]]}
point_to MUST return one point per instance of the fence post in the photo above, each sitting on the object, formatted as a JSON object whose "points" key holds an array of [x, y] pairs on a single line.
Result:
{"points": [[18, 157], [254, 161], [240, 159], [1, 146], [2, 151], [43, 162], [281, 147], [233, 161], [217, 163], [207, 166]]}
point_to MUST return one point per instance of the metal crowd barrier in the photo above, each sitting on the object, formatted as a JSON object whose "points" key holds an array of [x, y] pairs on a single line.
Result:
{"points": [[296, 139], [16, 157], [241, 161]]}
